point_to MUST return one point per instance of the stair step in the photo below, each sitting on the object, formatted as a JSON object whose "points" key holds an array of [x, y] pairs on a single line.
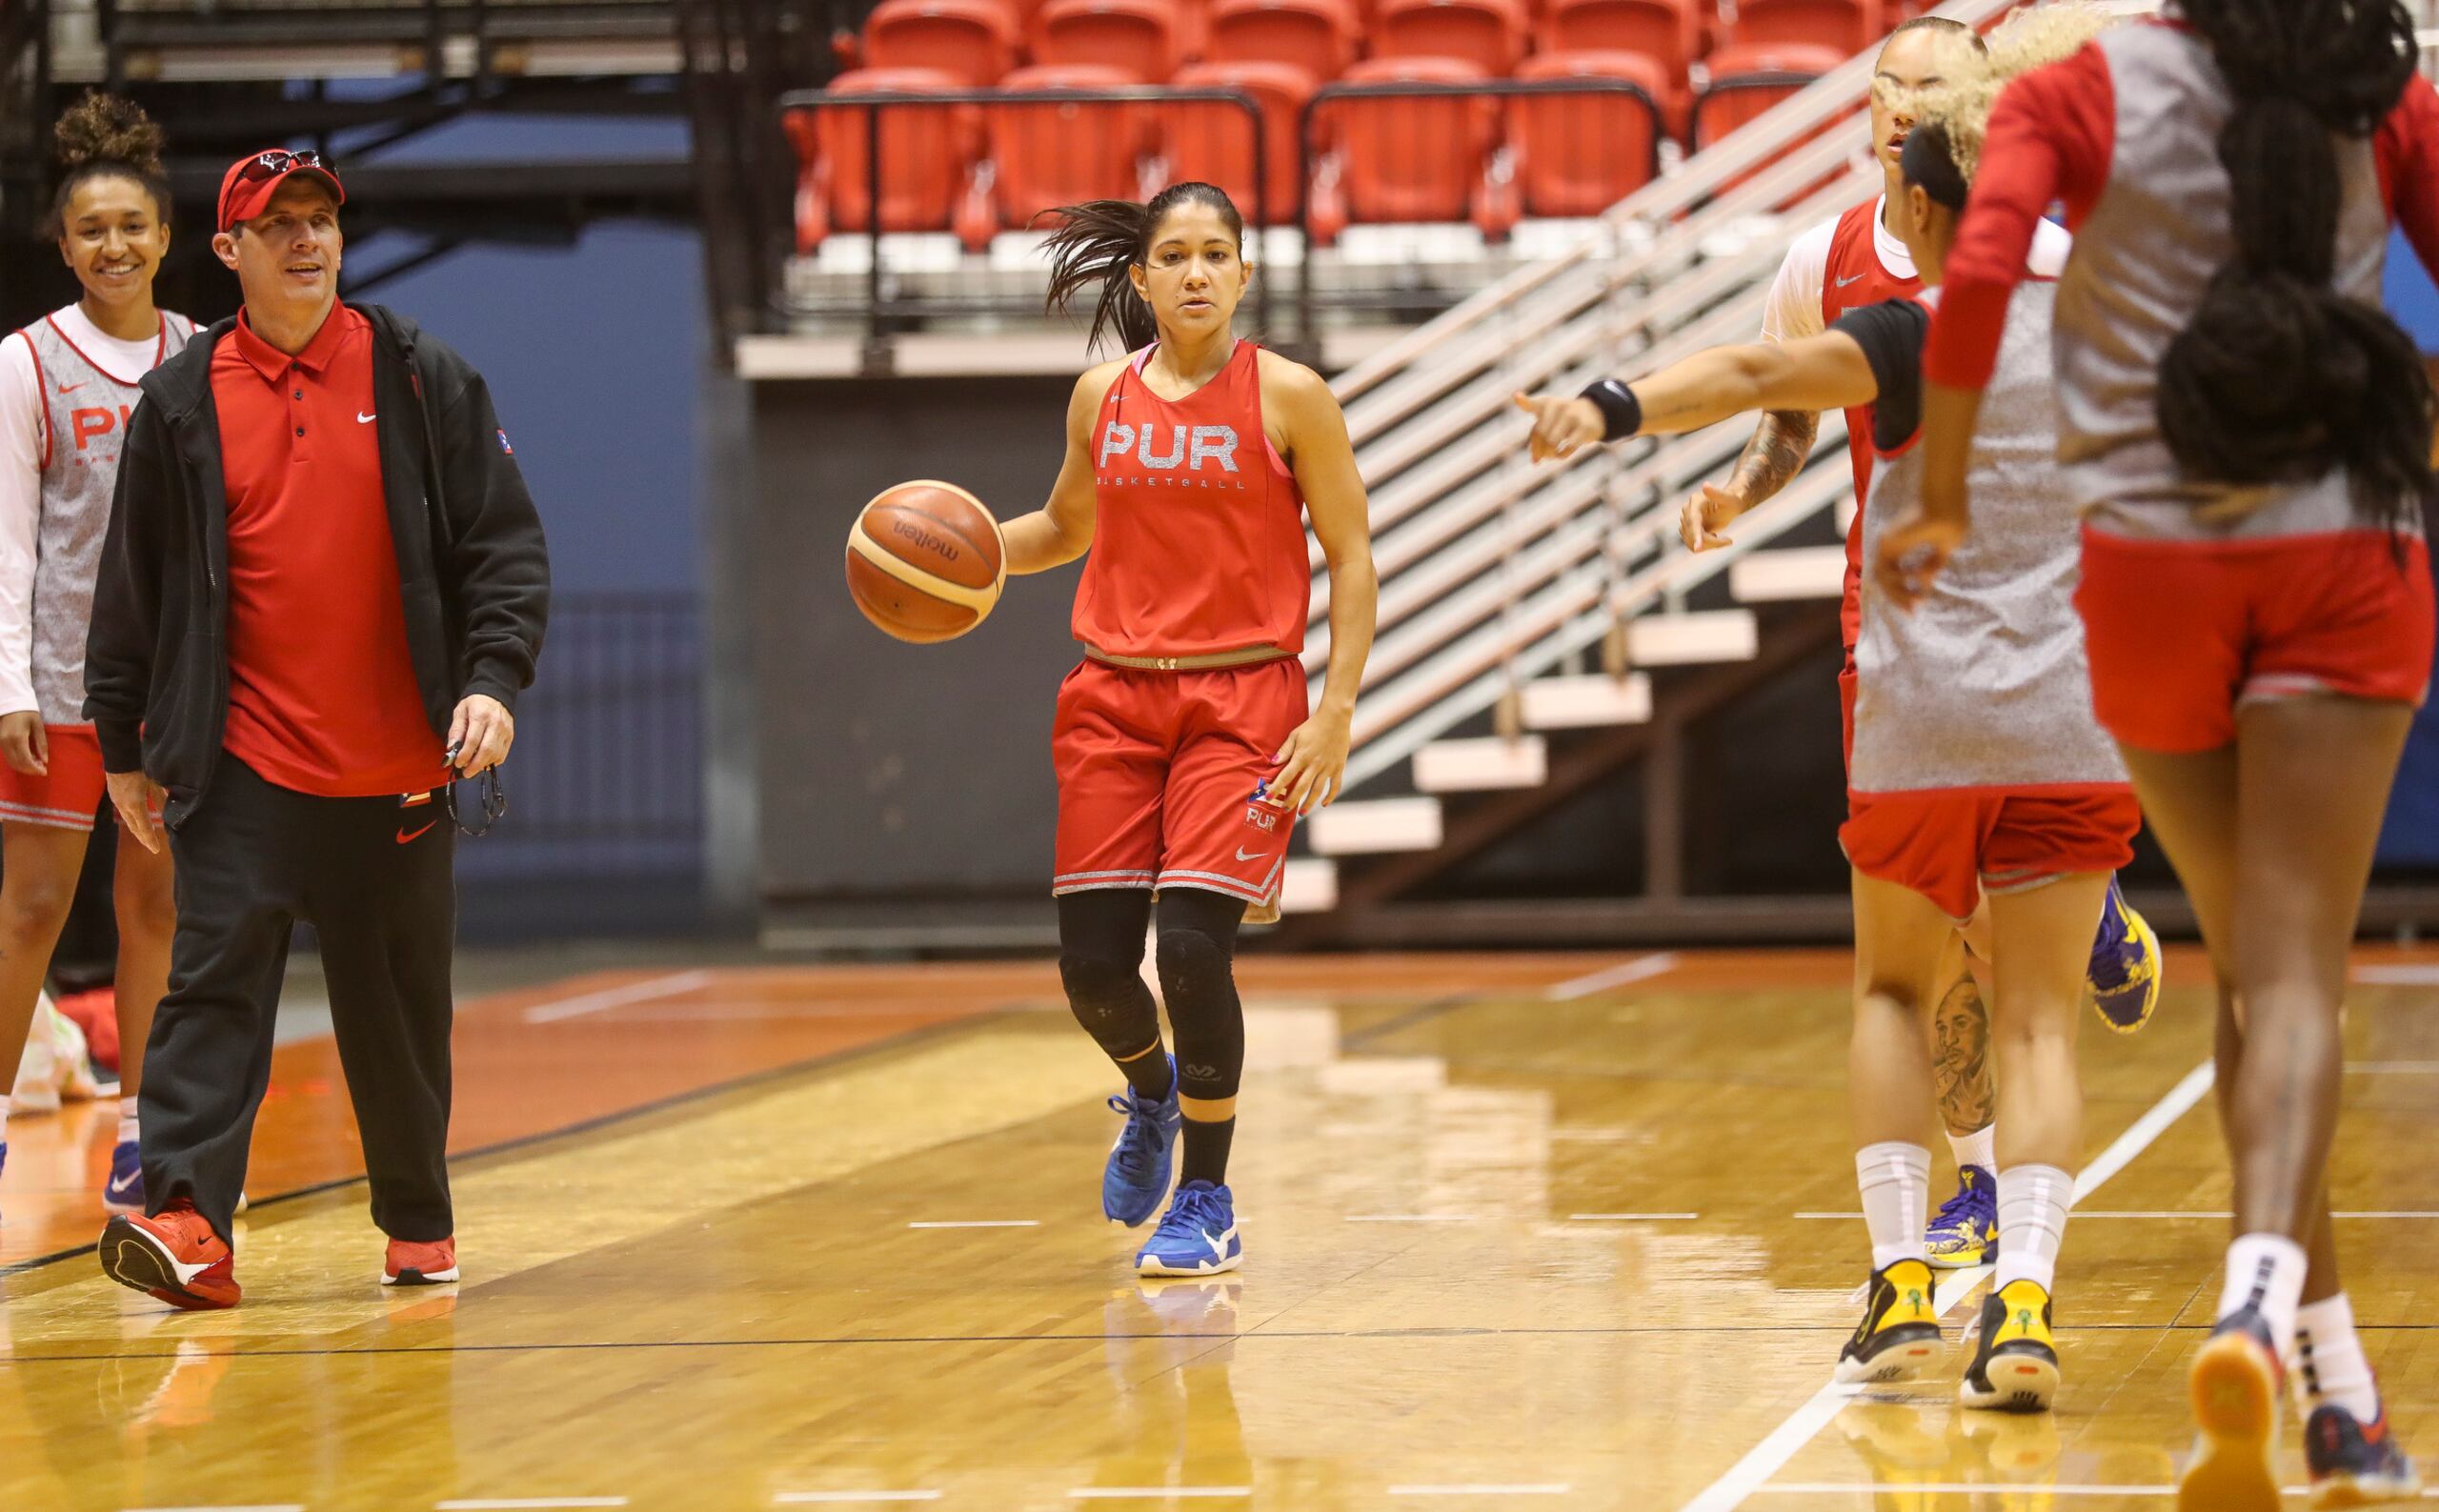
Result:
{"points": [[1308, 885], [1676, 641], [1375, 825], [1585, 703], [1482, 766], [1804, 572]]}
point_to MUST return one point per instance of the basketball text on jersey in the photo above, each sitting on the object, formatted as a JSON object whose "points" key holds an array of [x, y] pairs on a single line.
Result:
{"points": [[88, 426], [1188, 447]]}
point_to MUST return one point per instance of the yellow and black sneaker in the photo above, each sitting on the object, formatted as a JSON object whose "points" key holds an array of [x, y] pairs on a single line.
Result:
{"points": [[1899, 1338], [2015, 1369]]}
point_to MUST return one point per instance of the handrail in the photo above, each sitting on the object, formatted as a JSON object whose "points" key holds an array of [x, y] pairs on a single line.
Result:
{"points": [[1338, 93], [1831, 96], [873, 102]]}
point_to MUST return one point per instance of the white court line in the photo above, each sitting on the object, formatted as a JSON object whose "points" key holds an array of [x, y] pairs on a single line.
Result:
{"points": [[593, 1002], [523, 1503], [1479, 1491], [2222, 1213], [982, 1222], [1409, 1218], [1632, 1218], [1155, 1493], [798, 1498], [2404, 975], [1964, 1488], [1767, 1458], [1640, 969]]}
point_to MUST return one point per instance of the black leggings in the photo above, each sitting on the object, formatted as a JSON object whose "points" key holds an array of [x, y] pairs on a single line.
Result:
{"points": [[1100, 960]]}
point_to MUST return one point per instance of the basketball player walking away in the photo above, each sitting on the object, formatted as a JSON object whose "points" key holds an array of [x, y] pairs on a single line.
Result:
{"points": [[1185, 744], [1978, 778], [1856, 260], [67, 385], [2248, 438], [323, 586]]}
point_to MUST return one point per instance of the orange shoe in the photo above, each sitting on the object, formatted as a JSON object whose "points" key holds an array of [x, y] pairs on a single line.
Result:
{"points": [[174, 1255], [411, 1264]]}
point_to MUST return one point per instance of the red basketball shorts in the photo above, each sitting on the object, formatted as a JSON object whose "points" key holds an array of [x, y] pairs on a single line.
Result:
{"points": [[1954, 844], [2182, 633], [68, 796], [1162, 777]]}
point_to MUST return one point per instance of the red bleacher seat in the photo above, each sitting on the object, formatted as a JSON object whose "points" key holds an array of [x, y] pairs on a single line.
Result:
{"points": [[1847, 27], [1405, 159], [1669, 31], [1048, 153], [1747, 80], [972, 40], [925, 154], [1213, 142], [1488, 33], [1140, 38], [1580, 153], [1315, 35]]}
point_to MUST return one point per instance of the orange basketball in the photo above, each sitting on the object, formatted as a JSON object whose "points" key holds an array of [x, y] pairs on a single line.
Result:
{"points": [[924, 561]]}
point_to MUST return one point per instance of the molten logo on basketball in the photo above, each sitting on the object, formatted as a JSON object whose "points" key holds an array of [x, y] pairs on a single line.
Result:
{"points": [[919, 537], [1189, 446]]}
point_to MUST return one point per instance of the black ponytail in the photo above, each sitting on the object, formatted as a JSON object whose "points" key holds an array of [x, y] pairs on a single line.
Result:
{"points": [[2280, 379], [1097, 241], [103, 136]]}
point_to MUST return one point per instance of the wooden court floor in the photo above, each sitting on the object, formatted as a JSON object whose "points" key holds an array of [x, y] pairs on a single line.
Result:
{"points": [[1526, 1231]]}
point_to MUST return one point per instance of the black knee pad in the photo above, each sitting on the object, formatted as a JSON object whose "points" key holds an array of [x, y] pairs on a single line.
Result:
{"points": [[1110, 1000], [1198, 978]]}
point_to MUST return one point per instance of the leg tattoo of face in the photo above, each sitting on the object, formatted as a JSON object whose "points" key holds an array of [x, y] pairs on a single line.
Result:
{"points": [[1961, 1058]]}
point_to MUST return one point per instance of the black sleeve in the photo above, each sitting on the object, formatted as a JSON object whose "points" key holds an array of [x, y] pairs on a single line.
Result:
{"points": [[121, 637], [496, 568], [1892, 334]]}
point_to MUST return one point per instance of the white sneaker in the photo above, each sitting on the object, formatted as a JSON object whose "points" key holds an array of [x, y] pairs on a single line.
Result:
{"points": [[57, 1066]]}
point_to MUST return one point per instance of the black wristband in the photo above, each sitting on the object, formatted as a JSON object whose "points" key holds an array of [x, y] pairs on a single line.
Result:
{"points": [[1621, 412]]}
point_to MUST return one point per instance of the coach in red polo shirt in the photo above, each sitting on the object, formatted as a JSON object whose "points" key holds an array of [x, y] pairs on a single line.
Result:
{"points": [[324, 586]]}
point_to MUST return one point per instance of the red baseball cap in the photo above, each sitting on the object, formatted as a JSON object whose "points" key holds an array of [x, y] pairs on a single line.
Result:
{"points": [[247, 187]]}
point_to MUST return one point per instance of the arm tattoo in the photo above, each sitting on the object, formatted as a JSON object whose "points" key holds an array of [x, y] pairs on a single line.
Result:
{"points": [[1961, 1058], [1776, 453]]}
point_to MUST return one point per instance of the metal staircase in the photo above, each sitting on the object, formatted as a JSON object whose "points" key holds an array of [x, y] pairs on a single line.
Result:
{"points": [[1539, 623]]}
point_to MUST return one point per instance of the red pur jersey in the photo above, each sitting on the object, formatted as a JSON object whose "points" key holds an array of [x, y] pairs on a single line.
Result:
{"points": [[1198, 543], [1855, 277]]}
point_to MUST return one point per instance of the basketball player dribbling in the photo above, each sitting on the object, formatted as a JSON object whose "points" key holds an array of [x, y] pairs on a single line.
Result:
{"points": [[1185, 744], [67, 387], [1979, 778], [1860, 259], [2248, 438]]}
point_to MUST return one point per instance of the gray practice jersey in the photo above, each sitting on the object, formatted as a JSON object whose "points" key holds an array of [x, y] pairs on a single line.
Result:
{"points": [[1985, 683], [85, 412]]}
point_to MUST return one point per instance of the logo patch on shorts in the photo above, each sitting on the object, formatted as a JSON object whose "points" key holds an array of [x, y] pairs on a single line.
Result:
{"points": [[1261, 810]]}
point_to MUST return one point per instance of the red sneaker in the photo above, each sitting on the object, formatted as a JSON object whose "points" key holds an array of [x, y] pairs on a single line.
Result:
{"points": [[412, 1265], [174, 1255]]}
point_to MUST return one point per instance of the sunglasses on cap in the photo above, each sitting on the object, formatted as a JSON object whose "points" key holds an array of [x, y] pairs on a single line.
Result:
{"points": [[264, 167]]}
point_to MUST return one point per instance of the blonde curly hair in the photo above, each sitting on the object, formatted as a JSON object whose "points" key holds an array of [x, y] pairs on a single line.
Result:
{"points": [[1970, 78]]}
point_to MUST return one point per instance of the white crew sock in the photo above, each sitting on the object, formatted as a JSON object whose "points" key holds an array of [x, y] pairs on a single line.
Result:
{"points": [[1980, 1149], [2331, 1364], [126, 1133], [2033, 1201], [2266, 1271], [1895, 1180]]}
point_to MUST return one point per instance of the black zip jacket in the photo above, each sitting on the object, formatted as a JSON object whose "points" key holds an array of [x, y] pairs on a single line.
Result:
{"points": [[472, 572]]}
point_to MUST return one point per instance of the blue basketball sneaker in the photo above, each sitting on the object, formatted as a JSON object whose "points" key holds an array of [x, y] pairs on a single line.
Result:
{"points": [[124, 1191], [2123, 978], [1137, 1175], [1196, 1236], [1966, 1229]]}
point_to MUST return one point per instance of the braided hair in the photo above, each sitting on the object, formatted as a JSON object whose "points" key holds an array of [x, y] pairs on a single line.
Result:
{"points": [[2279, 379], [1097, 241], [103, 136]]}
